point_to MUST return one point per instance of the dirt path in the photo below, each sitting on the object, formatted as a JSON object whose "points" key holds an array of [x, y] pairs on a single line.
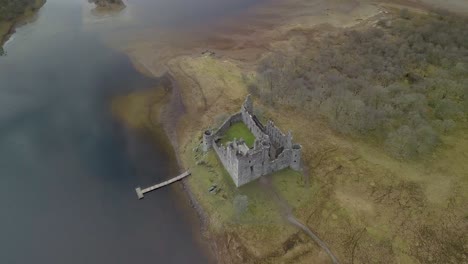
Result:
{"points": [[288, 215], [293, 220]]}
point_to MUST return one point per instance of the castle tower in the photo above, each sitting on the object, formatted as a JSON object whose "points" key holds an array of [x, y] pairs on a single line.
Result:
{"points": [[207, 140], [296, 157], [248, 104]]}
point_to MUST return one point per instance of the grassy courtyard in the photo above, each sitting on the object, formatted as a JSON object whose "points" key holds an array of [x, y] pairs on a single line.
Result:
{"points": [[239, 130]]}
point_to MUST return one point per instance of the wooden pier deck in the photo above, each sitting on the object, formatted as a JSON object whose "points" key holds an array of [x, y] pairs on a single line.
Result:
{"points": [[140, 192]]}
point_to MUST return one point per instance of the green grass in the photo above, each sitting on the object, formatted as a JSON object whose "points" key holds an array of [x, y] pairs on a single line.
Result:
{"points": [[219, 206], [262, 209], [239, 130], [291, 185], [261, 226]]}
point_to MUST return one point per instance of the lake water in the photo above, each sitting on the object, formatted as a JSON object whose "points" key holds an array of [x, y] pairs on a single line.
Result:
{"points": [[67, 169]]}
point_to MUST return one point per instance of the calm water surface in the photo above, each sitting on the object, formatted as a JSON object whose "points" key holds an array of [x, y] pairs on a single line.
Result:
{"points": [[67, 169]]}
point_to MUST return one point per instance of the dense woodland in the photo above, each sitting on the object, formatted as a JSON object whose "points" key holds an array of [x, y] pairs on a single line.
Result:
{"points": [[11, 9], [403, 81]]}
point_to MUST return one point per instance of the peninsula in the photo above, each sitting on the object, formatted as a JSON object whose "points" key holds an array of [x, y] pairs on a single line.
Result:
{"points": [[14, 13], [374, 91]]}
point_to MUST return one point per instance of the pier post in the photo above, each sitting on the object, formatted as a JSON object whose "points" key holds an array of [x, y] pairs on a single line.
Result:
{"points": [[139, 193]]}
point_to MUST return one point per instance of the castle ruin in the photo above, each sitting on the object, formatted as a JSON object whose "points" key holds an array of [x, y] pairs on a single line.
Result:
{"points": [[272, 150]]}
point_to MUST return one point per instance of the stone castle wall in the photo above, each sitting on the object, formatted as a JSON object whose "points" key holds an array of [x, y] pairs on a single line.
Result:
{"points": [[248, 120], [277, 137], [235, 118], [228, 158], [244, 164], [251, 167]]}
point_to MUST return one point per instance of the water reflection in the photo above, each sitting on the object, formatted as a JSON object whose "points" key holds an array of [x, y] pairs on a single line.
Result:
{"points": [[67, 169]]}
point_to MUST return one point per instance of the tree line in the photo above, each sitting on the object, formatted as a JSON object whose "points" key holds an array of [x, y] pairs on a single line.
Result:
{"points": [[403, 81]]}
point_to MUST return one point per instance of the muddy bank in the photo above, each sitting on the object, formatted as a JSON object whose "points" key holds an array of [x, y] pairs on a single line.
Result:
{"points": [[171, 112], [243, 38], [155, 112]]}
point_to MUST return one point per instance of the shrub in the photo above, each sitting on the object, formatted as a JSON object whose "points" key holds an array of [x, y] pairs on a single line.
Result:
{"points": [[380, 81]]}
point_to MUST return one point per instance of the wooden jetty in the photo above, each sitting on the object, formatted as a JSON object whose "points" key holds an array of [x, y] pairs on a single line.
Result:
{"points": [[140, 192]]}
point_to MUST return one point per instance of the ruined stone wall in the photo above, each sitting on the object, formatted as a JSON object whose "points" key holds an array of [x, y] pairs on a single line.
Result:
{"points": [[283, 161], [251, 166], [235, 118], [277, 137], [243, 168], [228, 158], [257, 162], [250, 123]]}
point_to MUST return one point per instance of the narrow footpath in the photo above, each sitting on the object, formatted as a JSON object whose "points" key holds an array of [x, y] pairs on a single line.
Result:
{"points": [[288, 215]]}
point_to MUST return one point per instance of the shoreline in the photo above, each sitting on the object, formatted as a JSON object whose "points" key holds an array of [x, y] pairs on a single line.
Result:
{"points": [[168, 123], [28, 16], [171, 111], [158, 125], [169, 126]]}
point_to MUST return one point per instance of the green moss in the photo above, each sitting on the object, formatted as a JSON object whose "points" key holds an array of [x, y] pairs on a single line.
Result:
{"points": [[239, 130]]}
